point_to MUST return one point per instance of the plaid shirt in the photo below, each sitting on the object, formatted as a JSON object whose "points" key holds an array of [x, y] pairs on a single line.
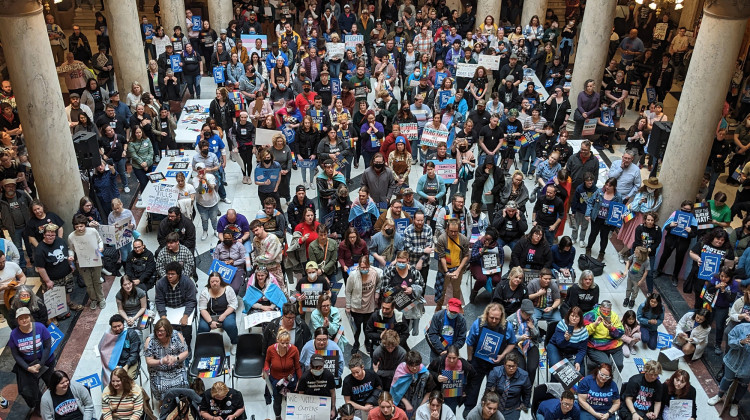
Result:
{"points": [[415, 243], [423, 44], [183, 256]]}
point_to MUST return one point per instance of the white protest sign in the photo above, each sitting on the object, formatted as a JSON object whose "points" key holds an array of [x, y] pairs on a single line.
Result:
{"points": [[264, 137], [107, 232], [123, 235], [162, 197], [55, 301], [431, 137], [336, 49], [466, 69], [680, 410], [445, 169], [489, 62], [256, 318], [660, 31], [351, 41], [307, 407]]}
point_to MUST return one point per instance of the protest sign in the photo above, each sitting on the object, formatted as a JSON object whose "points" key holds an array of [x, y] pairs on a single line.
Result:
{"points": [[530, 275], [91, 382], [453, 387], [401, 300], [336, 87], [256, 318], [330, 361], [248, 41], [307, 407], [664, 341], [439, 76], [445, 97], [351, 41], [410, 210], [309, 163], [197, 23], [362, 223], [148, 30], [56, 336], [123, 234], [264, 137], [310, 293], [683, 220], [589, 127], [336, 49], [491, 261], [660, 31], [226, 271], [266, 174], [445, 169], [410, 131], [710, 265], [219, 74], [466, 70], [328, 219], [615, 214], [702, 213], [162, 197], [651, 94], [174, 61], [431, 138], [55, 300], [488, 346], [401, 225], [489, 62], [565, 373], [679, 409]]}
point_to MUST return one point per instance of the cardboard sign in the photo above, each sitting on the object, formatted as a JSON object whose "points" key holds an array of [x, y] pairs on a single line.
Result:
{"points": [[455, 384], [410, 131], [307, 407], [401, 225], [488, 346], [431, 137], [615, 214], [248, 41], [256, 318], [265, 174], [466, 70], [162, 198], [330, 361], [710, 265], [445, 169], [702, 213], [491, 261], [351, 41], [197, 23], [683, 221], [489, 62], [565, 373], [660, 31], [226, 271], [336, 49], [55, 301], [679, 409], [219, 74], [589, 127], [310, 293], [91, 381], [174, 61]]}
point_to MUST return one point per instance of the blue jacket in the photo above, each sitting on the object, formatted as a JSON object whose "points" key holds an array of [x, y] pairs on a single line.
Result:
{"points": [[562, 259], [645, 316], [581, 197], [592, 206], [738, 357], [519, 387], [550, 410], [105, 185], [435, 336]]}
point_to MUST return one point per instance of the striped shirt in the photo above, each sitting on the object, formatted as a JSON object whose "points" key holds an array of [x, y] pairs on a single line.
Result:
{"points": [[124, 407]]}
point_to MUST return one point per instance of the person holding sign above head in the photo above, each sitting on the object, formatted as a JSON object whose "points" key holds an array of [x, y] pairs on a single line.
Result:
{"points": [[598, 208], [217, 305], [598, 396], [680, 228]]}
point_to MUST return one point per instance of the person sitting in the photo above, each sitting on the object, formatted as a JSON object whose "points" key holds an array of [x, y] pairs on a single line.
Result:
{"points": [[512, 291], [642, 395], [174, 222], [175, 252], [650, 317], [122, 399], [222, 402], [217, 305], [435, 408], [514, 383], [481, 252], [387, 317], [545, 294], [66, 396], [678, 387], [328, 317], [570, 339], [132, 302], [386, 409], [692, 333], [412, 382], [361, 387], [123, 342], [532, 251], [232, 253], [387, 357], [177, 292], [564, 408], [605, 330], [26, 298], [488, 410], [140, 267]]}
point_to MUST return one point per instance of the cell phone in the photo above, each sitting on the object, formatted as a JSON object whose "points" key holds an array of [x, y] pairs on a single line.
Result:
{"points": [[570, 329]]}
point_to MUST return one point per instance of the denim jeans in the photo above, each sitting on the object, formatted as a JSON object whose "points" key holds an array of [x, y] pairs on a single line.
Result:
{"points": [[229, 325], [549, 235], [305, 171], [125, 251], [18, 241], [208, 213], [142, 178], [726, 381], [334, 69], [649, 337], [461, 186], [501, 243], [551, 316], [122, 171], [554, 355], [193, 85], [528, 156]]}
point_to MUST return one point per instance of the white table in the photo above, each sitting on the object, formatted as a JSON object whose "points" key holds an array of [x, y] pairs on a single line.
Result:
{"points": [[190, 123], [170, 174], [530, 76]]}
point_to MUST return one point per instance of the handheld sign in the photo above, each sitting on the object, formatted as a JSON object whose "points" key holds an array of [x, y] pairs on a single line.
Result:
{"points": [[445, 97], [651, 94], [565, 373], [362, 223], [589, 127], [336, 87], [309, 163], [410, 131], [702, 213], [466, 70], [336, 49], [488, 346], [91, 381], [310, 293], [197, 23], [683, 220], [679, 409], [148, 30], [401, 225], [489, 62], [351, 41], [454, 386], [219, 74], [439, 76], [226, 271], [162, 198], [307, 407], [445, 169], [615, 214], [431, 137], [491, 262], [330, 360], [174, 61], [710, 264], [401, 300], [264, 174], [664, 341], [248, 41]]}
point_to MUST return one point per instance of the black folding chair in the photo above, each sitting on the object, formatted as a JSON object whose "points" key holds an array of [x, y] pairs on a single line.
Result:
{"points": [[209, 344], [249, 360]]}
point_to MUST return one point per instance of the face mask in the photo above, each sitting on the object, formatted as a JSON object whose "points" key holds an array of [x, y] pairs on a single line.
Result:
{"points": [[364, 272], [568, 77], [463, 149], [452, 315], [25, 299], [379, 166], [309, 22], [312, 276], [389, 232], [650, 190], [228, 243], [401, 266], [316, 372], [204, 152], [306, 90], [267, 161]]}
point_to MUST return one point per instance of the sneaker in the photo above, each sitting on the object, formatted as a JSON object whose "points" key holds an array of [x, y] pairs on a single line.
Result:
{"points": [[674, 281], [92, 305], [106, 272], [529, 177], [101, 279], [717, 351], [582, 244], [216, 234], [625, 303], [621, 258], [734, 410], [204, 236], [126, 189], [234, 349], [226, 200], [633, 351], [632, 303], [102, 304], [715, 399]]}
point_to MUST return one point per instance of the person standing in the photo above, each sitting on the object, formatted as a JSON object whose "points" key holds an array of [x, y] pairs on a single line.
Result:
{"points": [[30, 345], [52, 265], [86, 246]]}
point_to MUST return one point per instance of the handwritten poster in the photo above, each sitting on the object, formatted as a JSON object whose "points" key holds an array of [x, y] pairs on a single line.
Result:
{"points": [[351, 41], [466, 70], [445, 169], [410, 131], [162, 198], [431, 137], [307, 407], [336, 49]]}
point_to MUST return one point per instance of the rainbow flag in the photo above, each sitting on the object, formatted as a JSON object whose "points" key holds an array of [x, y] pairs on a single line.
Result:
{"points": [[144, 321], [454, 386], [294, 159], [382, 325], [616, 279], [628, 217], [327, 352], [209, 367]]}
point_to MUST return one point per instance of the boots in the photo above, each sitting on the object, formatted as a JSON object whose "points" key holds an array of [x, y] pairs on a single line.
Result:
{"points": [[600, 258], [588, 252], [630, 104]]}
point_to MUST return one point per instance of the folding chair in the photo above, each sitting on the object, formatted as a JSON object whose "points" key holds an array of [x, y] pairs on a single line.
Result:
{"points": [[209, 344], [249, 360]]}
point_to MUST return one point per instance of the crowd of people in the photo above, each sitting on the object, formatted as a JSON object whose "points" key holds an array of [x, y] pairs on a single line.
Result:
{"points": [[426, 216]]}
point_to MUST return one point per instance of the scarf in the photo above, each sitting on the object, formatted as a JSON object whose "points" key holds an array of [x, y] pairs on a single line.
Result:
{"points": [[110, 350], [358, 210]]}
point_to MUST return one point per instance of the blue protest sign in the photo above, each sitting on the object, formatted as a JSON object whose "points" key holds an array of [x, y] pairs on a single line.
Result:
{"points": [[362, 223], [173, 174], [401, 225], [226, 271], [328, 219], [615, 214], [91, 381], [445, 96], [710, 264], [148, 30], [608, 117], [56, 335], [219, 74], [439, 76], [651, 94], [336, 87], [410, 210], [174, 61], [683, 220], [288, 133], [197, 23], [664, 341], [264, 174], [488, 346], [309, 163], [548, 83]]}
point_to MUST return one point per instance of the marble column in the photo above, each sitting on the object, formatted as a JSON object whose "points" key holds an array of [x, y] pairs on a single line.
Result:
{"points": [[593, 44], [488, 8], [531, 8], [127, 45], [172, 14], [40, 106], [688, 13], [220, 13], [703, 95]]}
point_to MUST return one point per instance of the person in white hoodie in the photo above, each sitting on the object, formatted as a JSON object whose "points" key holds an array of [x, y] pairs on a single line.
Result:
{"points": [[86, 246]]}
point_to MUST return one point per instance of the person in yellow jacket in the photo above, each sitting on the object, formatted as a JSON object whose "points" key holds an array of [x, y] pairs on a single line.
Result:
{"points": [[605, 329]]}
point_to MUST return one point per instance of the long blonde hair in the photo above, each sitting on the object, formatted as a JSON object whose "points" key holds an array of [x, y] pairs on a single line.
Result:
{"points": [[492, 307]]}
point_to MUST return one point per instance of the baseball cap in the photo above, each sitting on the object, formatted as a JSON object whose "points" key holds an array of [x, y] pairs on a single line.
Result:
{"points": [[306, 82], [74, 95], [454, 305], [299, 188], [408, 191], [223, 32], [514, 55], [510, 78], [311, 264], [22, 311], [200, 165], [481, 102], [513, 112], [317, 361], [346, 6], [527, 307]]}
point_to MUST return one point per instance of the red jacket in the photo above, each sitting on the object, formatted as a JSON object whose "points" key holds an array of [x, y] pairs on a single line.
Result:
{"points": [[389, 144], [346, 255], [304, 102]]}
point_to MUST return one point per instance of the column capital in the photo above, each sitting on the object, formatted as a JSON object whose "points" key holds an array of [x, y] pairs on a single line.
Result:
{"points": [[10, 8], [728, 9]]}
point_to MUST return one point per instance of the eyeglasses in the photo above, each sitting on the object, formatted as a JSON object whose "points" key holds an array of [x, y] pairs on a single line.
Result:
{"points": [[604, 375]]}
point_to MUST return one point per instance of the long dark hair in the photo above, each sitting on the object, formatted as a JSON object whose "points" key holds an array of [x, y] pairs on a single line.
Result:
{"points": [[55, 379], [670, 383], [717, 232], [659, 306]]}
